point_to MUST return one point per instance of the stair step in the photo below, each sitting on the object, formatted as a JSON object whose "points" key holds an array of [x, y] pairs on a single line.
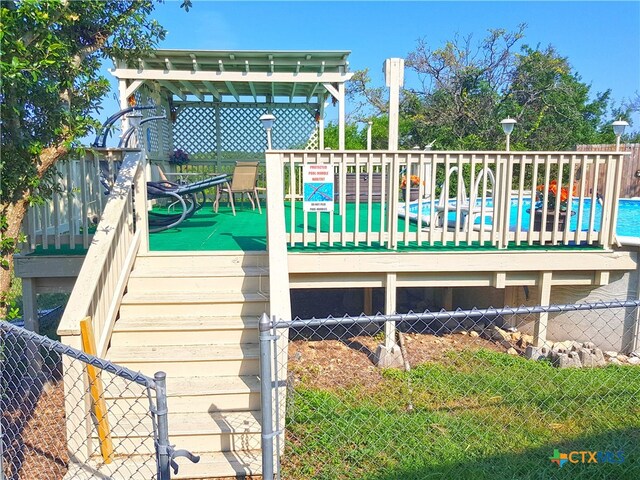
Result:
{"points": [[190, 424], [180, 271], [185, 330], [199, 278], [193, 303], [188, 394], [183, 360], [199, 260], [237, 464], [132, 433]]}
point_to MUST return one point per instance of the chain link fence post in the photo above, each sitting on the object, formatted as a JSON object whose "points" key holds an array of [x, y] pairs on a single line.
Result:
{"points": [[162, 448], [266, 397]]}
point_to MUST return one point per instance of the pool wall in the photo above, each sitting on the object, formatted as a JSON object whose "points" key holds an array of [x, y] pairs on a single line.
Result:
{"points": [[614, 329]]}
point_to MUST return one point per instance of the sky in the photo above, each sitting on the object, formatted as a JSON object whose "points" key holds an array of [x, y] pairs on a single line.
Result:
{"points": [[600, 39]]}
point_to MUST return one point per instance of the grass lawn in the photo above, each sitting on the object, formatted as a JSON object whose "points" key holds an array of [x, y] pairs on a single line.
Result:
{"points": [[477, 414]]}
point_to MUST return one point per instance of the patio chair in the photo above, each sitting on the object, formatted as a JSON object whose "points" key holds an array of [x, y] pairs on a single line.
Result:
{"points": [[185, 195], [245, 177]]}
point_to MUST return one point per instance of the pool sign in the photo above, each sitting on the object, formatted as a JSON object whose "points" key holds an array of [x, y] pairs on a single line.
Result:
{"points": [[318, 188]]}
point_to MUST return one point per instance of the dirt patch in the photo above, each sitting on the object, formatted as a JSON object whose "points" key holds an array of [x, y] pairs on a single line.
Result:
{"points": [[330, 364], [35, 437]]}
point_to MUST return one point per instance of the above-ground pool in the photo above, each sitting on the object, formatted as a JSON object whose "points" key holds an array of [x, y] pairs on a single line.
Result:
{"points": [[628, 215]]}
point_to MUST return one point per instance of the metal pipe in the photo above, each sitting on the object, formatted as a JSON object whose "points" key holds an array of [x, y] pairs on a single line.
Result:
{"points": [[265, 397], [458, 314], [162, 448]]}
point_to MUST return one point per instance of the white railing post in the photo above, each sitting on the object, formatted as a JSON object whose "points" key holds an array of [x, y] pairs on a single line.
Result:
{"points": [[140, 205]]}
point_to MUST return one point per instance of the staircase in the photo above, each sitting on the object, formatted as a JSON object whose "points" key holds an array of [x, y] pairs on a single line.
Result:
{"points": [[195, 317]]}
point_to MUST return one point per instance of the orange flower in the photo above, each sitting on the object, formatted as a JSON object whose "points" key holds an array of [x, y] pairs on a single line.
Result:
{"points": [[414, 179], [553, 195]]}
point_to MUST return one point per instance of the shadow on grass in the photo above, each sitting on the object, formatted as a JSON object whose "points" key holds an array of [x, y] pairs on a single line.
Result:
{"points": [[535, 463]]}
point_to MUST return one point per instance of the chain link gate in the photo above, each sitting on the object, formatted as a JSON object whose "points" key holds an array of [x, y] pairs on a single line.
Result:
{"points": [[115, 424], [471, 395]]}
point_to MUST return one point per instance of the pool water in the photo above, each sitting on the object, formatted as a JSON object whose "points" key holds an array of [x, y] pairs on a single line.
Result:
{"points": [[628, 215]]}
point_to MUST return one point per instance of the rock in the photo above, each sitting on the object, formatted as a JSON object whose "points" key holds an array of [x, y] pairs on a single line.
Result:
{"points": [[527, 338], [634, 360], [474, 334], [611, 354], [589, 345], [565, 360], [535, 353], [297, 356], [591, 357], [513, 351], [498, 334], [622, 358], [464, 332], [516, 336], [563, 347], [615, 361]]}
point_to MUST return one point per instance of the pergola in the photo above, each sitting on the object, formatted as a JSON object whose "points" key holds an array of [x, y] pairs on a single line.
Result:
{"points": [[212, 96]]}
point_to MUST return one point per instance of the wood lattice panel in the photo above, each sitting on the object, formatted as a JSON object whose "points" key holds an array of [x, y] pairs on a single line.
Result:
{"points": [[241, 133]]}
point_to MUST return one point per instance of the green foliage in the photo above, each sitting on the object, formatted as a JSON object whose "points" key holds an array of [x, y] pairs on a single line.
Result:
{"points": [[468, 87], [478, 414], [51, 55]]}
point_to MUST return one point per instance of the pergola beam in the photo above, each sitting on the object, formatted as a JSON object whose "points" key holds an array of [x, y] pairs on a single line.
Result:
{"points": [[171, 87], [227, 76], [253, 91], [132, 87], [192, 89], [212, 89], [232, 90]]}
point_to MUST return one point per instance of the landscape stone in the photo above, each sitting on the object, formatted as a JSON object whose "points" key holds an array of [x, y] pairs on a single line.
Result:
{"points": [[591, 357], [589, 345], [564, 346], [535, 353], [614, 360], [611, 354], [474, 334], [634, 360], [565, 360], [527, 338], [513, 351], [622, 358]]}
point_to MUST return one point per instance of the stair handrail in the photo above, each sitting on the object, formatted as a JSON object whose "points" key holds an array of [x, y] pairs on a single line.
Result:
{"points": [[120, 234]]}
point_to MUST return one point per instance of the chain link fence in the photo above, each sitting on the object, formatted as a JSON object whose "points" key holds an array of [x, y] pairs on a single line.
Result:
{"points": [[530, 392], [67, 414]]}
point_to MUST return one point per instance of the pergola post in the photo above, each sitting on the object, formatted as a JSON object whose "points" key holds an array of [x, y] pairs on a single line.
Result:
{"points": [[394, 79], [321, 100], [341, 117]]}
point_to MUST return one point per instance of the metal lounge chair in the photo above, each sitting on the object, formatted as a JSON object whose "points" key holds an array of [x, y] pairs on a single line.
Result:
{"points": [[186, 195]]}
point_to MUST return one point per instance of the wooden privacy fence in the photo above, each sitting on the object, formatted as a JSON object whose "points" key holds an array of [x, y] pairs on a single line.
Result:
{"points": [[630, 177], [472, 198]]}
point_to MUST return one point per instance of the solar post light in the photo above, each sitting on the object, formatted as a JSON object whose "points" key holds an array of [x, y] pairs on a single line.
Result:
{"points": [[267, 123], [507, 127], [618, 129]]}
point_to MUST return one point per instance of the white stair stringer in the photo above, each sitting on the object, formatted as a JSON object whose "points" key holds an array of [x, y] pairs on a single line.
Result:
{"points": [[195, 317]]}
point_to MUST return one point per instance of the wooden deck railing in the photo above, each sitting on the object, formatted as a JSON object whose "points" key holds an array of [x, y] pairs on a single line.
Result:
{"points": [[69, 217], [121, 232], [458, 198]]}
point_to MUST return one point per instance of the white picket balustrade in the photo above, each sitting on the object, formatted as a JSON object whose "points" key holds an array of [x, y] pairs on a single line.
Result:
{"points": [[459, 198]]}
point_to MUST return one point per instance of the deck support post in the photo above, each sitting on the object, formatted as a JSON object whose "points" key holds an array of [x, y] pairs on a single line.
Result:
{"points": [[367, 307], [447, 298], [389, 355], [544, 297], [631, 329], [30, 305]]}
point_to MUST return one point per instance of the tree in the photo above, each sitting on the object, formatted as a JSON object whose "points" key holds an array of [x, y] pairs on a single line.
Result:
{"points": [[466, 88], [52, 52]]}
